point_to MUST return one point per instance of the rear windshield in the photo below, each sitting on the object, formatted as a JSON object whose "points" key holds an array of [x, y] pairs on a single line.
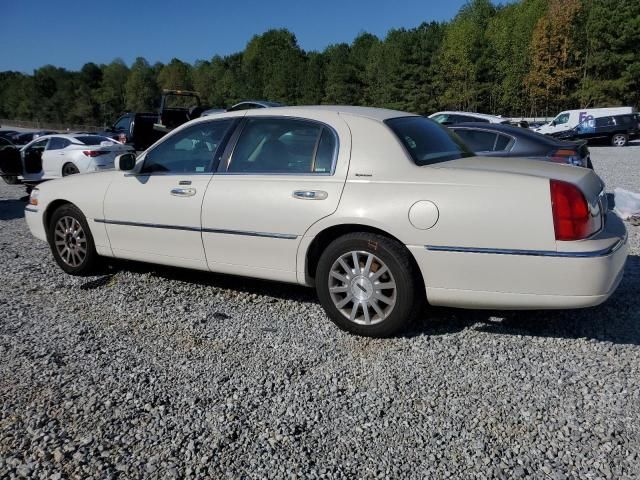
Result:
{"points": [[426, 141], [93, 139]]}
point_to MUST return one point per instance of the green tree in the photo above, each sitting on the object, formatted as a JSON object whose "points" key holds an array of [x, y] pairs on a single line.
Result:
{"points": [[273, 66], [141, 89], [611, 36], [176, 75], [111, 94], [555, 65], [509, 35]]}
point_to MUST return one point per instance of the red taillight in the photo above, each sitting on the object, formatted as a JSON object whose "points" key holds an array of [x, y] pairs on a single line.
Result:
{"points": [[571, 217], [94, 153]]}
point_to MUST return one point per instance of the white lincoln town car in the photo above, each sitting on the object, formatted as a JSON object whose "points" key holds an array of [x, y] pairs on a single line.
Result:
{"points": [[379, 210]]}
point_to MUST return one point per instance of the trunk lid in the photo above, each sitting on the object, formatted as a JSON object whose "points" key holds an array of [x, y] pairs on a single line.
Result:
{"points": [[585, 179]]}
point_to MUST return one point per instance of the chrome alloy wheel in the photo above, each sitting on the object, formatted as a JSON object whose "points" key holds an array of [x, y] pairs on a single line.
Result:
{"points": [[619, 140], [70, 241], [362, 287]]}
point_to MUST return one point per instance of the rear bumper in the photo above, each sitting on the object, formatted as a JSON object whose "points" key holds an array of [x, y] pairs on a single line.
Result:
{"points": [[524, 279]]}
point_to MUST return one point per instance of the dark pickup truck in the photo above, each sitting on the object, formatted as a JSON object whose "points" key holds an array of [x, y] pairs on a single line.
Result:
{"points": [[135, 129], [141, 130]]}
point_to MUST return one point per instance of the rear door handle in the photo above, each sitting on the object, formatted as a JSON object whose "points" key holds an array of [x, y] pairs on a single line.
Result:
{"points": [[183, 192], [310, 194]]}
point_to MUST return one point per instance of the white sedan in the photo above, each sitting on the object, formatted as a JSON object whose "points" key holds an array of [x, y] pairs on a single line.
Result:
{"points": [[55, 156], [377, 209]]}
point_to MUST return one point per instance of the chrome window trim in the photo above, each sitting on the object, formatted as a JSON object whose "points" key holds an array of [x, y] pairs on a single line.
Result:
{"points": [[532, 253], [282, 236], [245, 120]]}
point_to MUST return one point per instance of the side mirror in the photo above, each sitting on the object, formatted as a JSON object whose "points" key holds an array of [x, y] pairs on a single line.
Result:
{"points": [[125, 162], [553, 123]]}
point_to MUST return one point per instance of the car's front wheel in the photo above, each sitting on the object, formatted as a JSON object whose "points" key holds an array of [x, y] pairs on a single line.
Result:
{"points": [[619, 140], [71, 241], [368, 285]]}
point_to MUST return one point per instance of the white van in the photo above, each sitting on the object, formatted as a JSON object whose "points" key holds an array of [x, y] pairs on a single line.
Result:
{"points": [[571, 118]]}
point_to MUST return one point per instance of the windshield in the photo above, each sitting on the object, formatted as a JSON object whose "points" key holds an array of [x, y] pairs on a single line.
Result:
{"points": [[426, 141]]}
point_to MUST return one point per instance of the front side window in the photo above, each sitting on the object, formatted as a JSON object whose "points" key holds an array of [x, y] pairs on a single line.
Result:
{"points": [[122, 124], [57, 143], [426, 141], [38, 146], [562, 119], [191, 150], [283, 145]]}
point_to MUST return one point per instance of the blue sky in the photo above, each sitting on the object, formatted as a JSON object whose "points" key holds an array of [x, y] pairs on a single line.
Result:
{"points": [[70, 33]]}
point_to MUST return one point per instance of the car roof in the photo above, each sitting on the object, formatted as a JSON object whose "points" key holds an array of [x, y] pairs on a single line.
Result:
{"points": [[379, 114], [471, 114], [70, 136]]}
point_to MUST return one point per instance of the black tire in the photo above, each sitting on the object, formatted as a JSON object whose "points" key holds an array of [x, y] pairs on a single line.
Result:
{"points": [[90, 260], [409, 291], [11, 179], [69, 169], [619, 140]]}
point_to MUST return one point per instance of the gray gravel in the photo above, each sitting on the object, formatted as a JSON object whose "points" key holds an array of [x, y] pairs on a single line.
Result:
{"points": [[159, 373]]}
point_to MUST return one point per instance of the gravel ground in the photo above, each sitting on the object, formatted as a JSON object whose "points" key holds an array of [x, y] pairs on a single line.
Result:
{"points": [[161, 373]]}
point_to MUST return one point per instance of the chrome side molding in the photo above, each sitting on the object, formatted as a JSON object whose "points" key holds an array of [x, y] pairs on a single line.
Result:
{"points": [[532, 253]]}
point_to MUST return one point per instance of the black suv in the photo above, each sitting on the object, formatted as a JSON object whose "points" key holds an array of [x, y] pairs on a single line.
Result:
{"points": [[616, 130]]}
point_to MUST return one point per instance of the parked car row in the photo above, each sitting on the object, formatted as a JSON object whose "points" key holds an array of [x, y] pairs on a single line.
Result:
{"points": [[59, 155], [378, 210]]}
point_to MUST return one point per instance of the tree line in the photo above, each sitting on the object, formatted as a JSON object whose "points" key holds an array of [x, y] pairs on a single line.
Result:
{"points": [[527, 58]]}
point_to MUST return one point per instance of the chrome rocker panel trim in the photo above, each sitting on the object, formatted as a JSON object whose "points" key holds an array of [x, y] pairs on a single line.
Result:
{"points": [[283, 236]]}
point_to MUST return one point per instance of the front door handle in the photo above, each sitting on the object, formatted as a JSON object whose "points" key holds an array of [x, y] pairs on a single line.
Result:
{"points": [[183, 192], [310, 194]]}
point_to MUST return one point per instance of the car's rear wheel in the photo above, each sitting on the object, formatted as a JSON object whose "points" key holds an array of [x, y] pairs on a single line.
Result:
{"points": [[619, 140], [368, 284], [71, 241], [69, 169]]}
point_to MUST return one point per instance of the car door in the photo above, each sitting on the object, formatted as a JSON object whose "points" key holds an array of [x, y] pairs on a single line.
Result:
{"points": [[281, 175], [32, 157], [153, 214], [53, 157]]}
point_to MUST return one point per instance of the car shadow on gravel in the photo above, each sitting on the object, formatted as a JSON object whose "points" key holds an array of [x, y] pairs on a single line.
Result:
{"points": [[616, 321], [283, 291], [11, 209]]}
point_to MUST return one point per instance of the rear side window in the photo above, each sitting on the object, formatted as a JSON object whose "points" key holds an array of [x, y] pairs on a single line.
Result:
{"points": [[93, 139], [604, 122], [477, 140], [285, 146], [426, 141], [58, 143], [502, 143]]}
